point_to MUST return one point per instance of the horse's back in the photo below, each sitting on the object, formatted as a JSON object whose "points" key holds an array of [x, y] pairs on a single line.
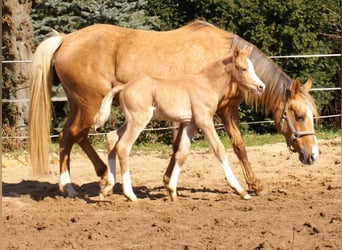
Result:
{"points": [[92, 60]]}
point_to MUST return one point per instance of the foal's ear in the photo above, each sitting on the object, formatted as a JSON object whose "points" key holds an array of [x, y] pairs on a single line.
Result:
{"points": [[295, 88], [249, 50], [308, 84]]}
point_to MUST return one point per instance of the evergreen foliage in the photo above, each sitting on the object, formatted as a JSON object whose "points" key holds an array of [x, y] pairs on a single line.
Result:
{"points": [[68, 16], [275, 27]]}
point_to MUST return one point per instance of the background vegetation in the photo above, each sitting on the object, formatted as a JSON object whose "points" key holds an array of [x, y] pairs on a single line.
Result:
{"points": [[294, 27]]}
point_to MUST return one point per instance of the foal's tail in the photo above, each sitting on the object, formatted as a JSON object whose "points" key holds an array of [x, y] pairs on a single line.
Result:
{"points": [[40, 105], [103, 114]]}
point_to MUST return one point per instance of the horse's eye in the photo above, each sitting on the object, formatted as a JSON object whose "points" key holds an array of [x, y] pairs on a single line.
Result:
{"points": [[299, 118]]}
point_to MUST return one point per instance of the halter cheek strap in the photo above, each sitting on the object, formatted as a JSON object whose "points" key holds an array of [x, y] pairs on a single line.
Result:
{"points": [[294, 134]]}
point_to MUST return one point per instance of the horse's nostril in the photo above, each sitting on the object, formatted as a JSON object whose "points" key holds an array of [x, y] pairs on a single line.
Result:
{"points": [[311, 159], [261, 88]]}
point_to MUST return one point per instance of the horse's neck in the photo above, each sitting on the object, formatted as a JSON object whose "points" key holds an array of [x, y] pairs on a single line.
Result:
{"points": [[217, 76]]}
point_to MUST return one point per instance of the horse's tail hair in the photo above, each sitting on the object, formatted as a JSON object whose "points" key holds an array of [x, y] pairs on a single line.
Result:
{"points": [[40, 104], [103, 114]]}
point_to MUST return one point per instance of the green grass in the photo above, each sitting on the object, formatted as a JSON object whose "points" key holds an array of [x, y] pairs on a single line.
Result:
{"points": [[250, 139]]}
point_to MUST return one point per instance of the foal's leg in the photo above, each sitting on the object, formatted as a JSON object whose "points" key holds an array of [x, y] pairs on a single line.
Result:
{"points": [[108, 182], [220, 152], [175, 146], [183, 149], [230, 116], [123, 149]]}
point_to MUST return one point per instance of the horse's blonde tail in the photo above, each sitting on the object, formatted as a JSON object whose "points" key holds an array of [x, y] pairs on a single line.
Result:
{"points": [[103, 114], [40, 104]]}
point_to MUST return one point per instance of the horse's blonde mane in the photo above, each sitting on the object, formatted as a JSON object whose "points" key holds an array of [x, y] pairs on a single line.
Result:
{"points": [[276, 80]]}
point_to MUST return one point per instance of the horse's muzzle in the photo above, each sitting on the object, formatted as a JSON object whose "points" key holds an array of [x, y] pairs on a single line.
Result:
{"points": [[307, 159]]}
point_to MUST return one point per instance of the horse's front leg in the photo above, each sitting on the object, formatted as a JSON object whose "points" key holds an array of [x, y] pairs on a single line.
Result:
{"points": [[230, 117]]}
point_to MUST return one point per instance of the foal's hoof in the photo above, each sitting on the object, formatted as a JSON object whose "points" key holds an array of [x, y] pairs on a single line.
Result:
{"points": [[131, 197], [244, 195]]}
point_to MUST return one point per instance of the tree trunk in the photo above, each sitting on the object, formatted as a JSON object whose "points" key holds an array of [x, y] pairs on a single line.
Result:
{"points": [[17, 39]]}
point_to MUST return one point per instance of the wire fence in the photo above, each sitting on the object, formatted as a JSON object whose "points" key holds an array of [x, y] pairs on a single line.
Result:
{"points": [[218, 126]]}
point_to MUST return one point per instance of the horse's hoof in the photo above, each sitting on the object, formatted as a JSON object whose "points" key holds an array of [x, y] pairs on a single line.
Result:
{"points": [[261, 193], [244, 195], [171, 193], [173, 196]]}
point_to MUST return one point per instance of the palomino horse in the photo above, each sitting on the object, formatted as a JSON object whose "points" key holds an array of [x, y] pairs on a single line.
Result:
{"points": [[90, 61], [191, 100]]}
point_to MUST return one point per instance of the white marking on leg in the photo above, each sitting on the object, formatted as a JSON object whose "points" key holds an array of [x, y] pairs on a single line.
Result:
{"points": [[65, 184], [174, 180], [127, 186], [233, 182], [112, 172]]}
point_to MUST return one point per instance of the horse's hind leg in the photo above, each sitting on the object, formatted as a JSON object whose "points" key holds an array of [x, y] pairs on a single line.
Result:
{"points": [[76, 131], [219, 151]]}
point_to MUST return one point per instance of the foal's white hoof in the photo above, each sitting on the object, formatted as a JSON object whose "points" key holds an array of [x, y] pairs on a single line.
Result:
{"points": [[131, 197], [245, 196]]}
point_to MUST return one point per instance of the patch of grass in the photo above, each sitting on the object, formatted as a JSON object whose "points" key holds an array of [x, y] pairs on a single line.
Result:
{"points": [[250, 139]]}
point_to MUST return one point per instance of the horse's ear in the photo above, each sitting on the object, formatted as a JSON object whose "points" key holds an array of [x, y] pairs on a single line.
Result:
{"points": [[308, 84], [236, 51], [295, 88]]}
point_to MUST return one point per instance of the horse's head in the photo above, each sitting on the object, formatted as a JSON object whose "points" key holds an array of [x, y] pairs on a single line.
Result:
{"points": [[243, 71], [297, 122]]}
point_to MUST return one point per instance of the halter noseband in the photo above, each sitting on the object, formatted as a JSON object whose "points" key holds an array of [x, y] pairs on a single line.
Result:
{"points": [[294, 134]]}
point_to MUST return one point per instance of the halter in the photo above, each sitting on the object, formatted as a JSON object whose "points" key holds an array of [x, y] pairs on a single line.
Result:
{"points": [[294, 134]]}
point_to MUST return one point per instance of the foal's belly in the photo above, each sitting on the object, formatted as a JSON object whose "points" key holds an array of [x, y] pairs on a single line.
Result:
{"points": [[183, 116]]}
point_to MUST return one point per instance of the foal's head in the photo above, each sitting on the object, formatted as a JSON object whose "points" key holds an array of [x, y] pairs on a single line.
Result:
{"points": [[296, 122], [242, 71]]}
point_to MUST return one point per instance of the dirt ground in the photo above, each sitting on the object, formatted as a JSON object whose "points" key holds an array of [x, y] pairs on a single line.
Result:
{"points": [[301, 211]]}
